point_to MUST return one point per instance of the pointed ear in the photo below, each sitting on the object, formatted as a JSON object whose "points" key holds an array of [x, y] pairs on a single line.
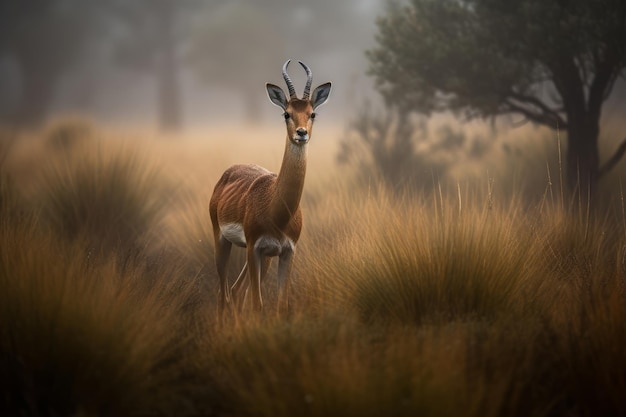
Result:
{"points": [[276, 95], [320, 95]]}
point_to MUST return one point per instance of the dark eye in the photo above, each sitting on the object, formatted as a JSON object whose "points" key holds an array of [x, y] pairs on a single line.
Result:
{"points": [[286, 116], [312, 115]]}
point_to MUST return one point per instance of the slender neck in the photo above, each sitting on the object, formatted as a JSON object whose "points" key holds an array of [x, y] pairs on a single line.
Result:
{"points": [[289, 183]]}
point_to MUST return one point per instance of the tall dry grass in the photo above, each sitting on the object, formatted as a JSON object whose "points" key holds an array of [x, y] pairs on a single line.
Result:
{"points": [[79, 338], [110, 197], [466, 301], [413, 261]]}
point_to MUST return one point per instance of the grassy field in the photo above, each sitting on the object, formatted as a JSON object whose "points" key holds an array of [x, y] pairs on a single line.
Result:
{"points": [[469, 299]]}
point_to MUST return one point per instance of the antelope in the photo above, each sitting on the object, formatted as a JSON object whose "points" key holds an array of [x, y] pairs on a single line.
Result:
{"points": [[256, 209]]}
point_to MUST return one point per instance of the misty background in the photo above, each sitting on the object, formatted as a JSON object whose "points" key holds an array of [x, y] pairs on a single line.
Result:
{"points": [[193, 64], [177, 64]]}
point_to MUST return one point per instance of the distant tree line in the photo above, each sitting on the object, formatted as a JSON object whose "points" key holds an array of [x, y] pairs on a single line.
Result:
{"points": [[234, 44]]}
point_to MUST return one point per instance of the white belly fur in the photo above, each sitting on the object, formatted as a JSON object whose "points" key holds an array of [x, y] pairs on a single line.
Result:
{"points": [[233, 232]]}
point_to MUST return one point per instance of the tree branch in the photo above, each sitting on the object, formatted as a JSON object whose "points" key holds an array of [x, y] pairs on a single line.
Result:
{"points": [[610, 164], [546, 116], [584, 69], [604, 73], [530, 115], [533, 100], [614, 77], [567, 81]]}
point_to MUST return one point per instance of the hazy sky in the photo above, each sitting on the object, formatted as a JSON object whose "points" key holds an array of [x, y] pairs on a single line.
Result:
{"points": [[216, 41]]}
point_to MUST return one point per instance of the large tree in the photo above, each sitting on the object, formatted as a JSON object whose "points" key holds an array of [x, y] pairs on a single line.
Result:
{"points": [[45, 38], [553, 63]]}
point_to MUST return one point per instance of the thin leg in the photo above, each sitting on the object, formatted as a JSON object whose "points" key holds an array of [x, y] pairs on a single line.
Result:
{"points": [[241, 280], [265, 264], [254, 265], [285, 262], [222, 255], [266, 261]]}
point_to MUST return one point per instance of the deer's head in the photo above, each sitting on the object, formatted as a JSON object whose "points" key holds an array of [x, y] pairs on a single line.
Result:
{"points": [[299, 113]]}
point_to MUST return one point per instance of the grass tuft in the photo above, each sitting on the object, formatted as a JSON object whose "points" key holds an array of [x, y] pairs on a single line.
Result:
{"points": [[67, 133], [84, 338], [416, 265], [109, 197]]}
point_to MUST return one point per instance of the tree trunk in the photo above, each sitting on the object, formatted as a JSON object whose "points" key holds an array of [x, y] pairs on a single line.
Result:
{"points": [[37, 93], [169, 102], [252, 106], [583, 161], [168, 94]]}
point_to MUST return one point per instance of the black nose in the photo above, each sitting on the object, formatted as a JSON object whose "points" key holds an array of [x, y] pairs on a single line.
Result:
{"points": [[301, 131]]}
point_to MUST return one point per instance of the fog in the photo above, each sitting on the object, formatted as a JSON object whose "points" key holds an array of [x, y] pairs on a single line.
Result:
{"points": [[178, 64]]}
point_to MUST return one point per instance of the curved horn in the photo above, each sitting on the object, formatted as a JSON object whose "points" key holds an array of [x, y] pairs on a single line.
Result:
{"points": [[309, 80], [292, 90]]}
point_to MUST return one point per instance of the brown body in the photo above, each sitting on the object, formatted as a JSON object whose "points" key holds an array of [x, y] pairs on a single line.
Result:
{"points": [[254, 208]]}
